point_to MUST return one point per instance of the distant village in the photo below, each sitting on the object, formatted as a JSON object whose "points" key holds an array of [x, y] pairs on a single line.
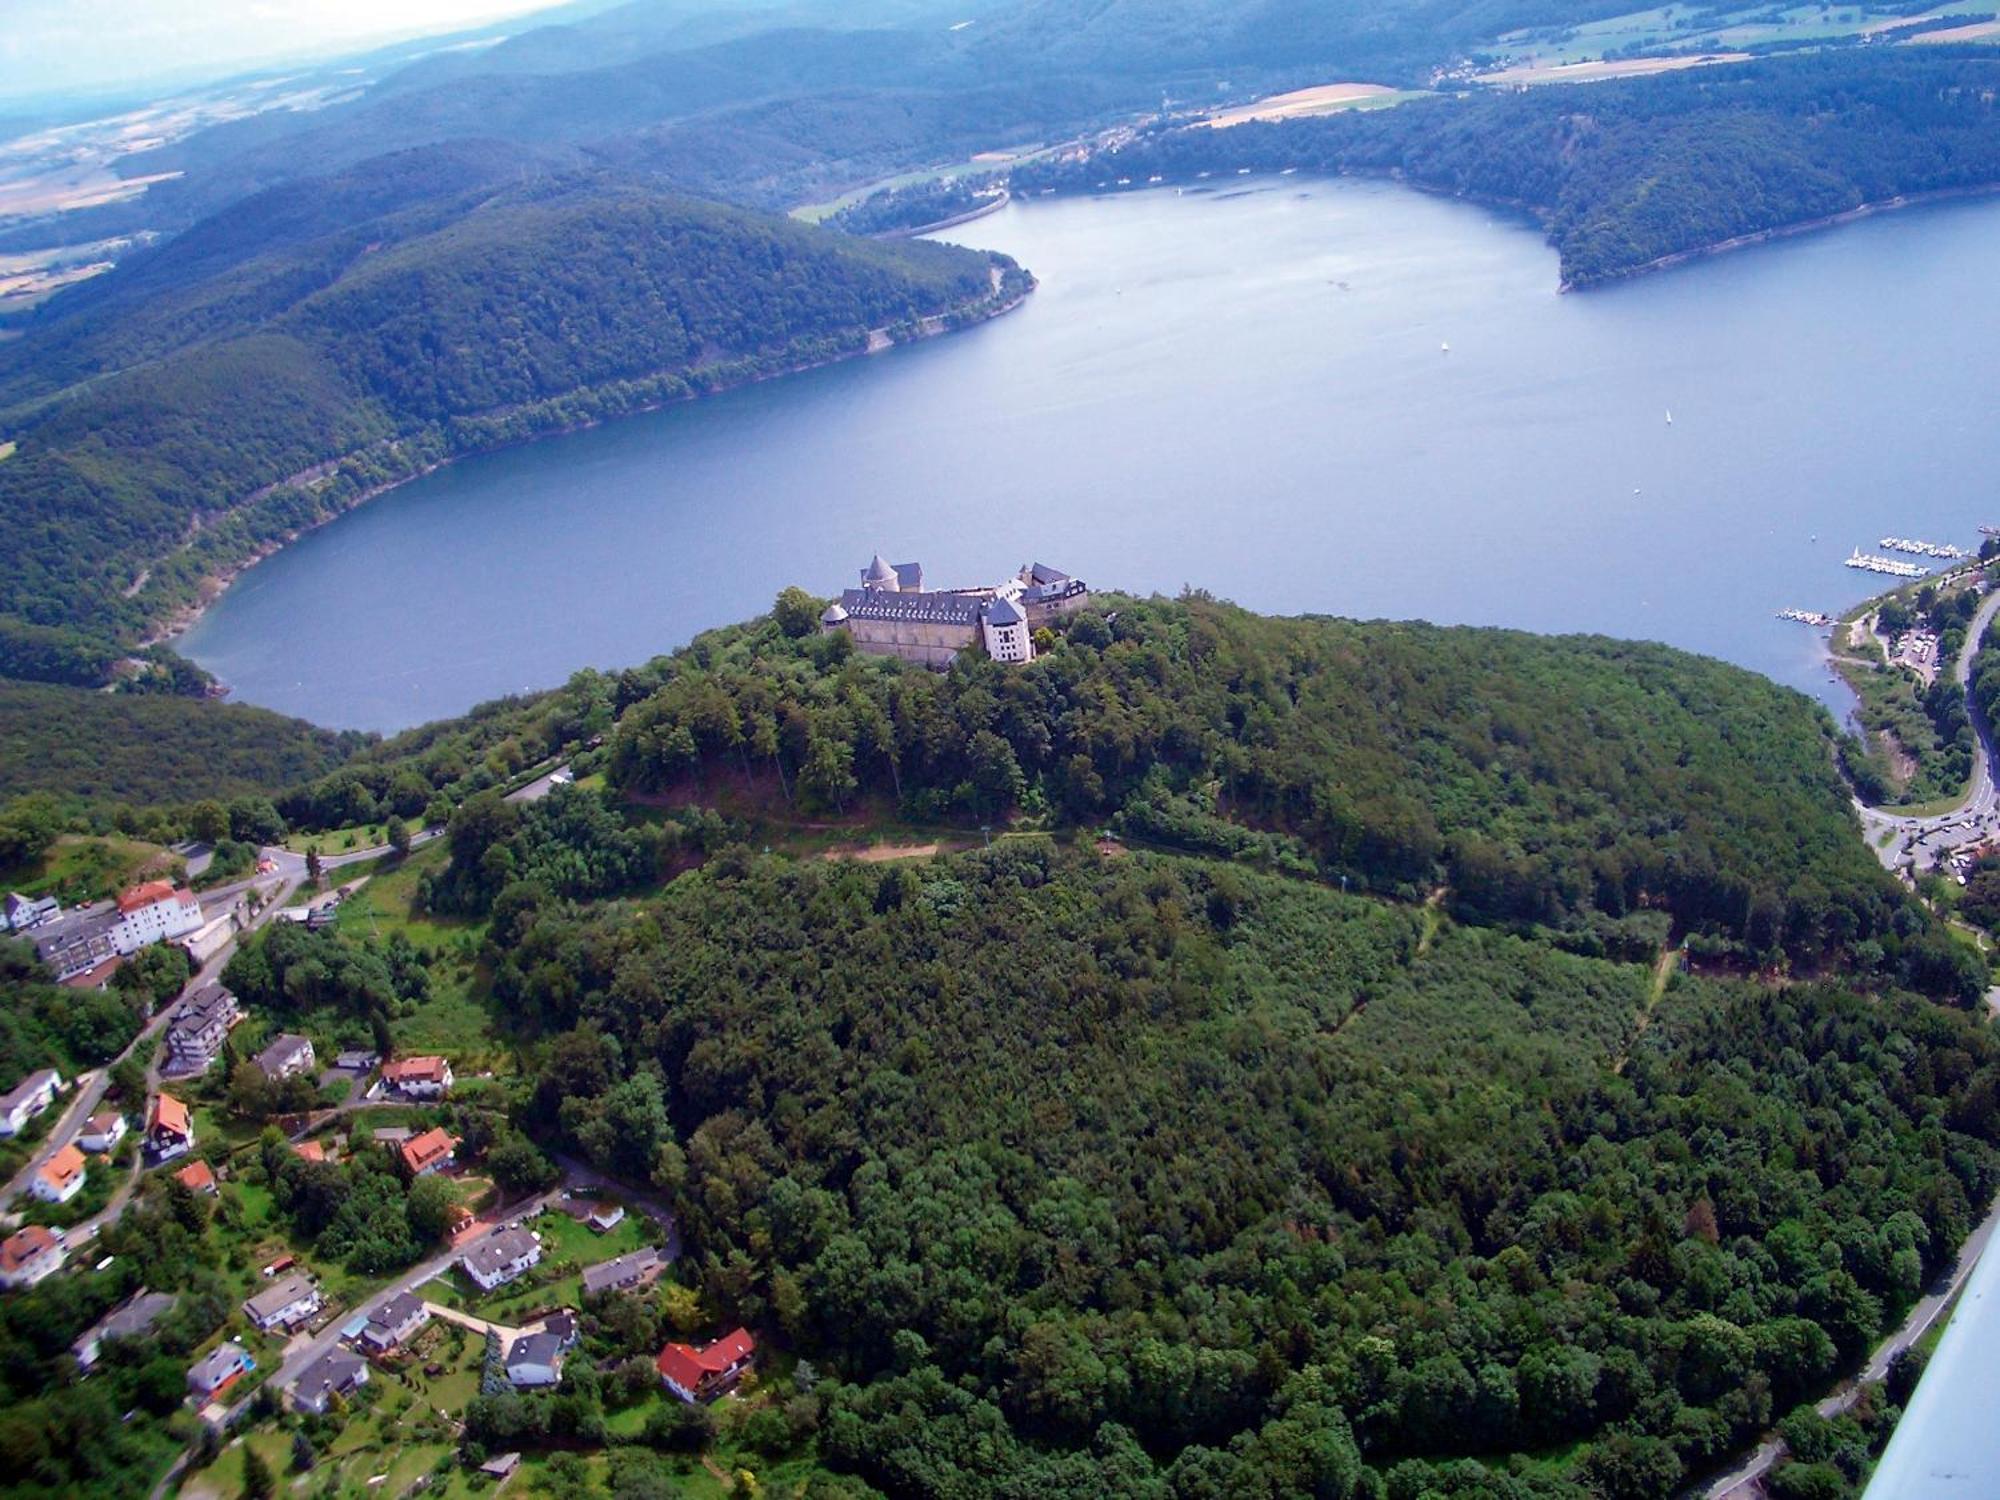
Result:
{"points": [[324, 1351]]}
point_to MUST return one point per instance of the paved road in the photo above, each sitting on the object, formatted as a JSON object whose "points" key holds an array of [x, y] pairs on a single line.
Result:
{"points": [[1742, 1483], [1923, 841], [539, 788], [276, 889]]}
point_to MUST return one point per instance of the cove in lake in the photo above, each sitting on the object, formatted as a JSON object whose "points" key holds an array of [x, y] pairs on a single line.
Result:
{"points": [[1241, 389]]}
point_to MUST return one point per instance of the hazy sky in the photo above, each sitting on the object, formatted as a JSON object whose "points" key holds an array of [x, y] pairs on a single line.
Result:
{"points": [[50, 45]]}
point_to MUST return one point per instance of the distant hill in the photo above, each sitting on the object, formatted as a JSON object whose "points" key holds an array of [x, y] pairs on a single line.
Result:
{"points": [[1626, 173], [349, 331]]}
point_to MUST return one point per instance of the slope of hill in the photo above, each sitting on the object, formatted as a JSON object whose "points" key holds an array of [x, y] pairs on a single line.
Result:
{"points": [[259, 374], [153, 748]]}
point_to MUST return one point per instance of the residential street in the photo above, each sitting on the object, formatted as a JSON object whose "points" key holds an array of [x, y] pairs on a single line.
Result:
{"points": [[276, 891]]}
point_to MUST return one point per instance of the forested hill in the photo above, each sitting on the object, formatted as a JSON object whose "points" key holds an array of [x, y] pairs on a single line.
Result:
{"points": [[1626, 173], [1607, 791], [354, 330]]}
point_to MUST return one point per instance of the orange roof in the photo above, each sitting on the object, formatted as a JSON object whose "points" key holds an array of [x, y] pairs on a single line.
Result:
{"points": [[197, 1175], [426, 1149], [60, 1170], [24, 1245], [687, 1366], [310, 1151], [417, 1068], [168, 1113], [145, 894]]}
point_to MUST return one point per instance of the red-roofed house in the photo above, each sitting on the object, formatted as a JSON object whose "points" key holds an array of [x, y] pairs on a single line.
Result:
{"points": [[61, 1177], [199, 1176], [169, 1128], [705, 1373], [152, 913], [418, 1077], [429, 1152], [29, 1254], [310, 1151]]}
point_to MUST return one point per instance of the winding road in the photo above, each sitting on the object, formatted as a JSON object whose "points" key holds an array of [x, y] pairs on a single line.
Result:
{"points": [[1920, 842]]}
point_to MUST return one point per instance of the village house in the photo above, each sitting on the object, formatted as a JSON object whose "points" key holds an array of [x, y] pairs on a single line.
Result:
{"points": [[153, 913], [24, 913], [169, 1128], [287, 1305], [395, 1322], [417, 1077], [199, 1177], [61, 1177], [102, 1132], [310, 1151], [198, 1027], [496, 1261], [27, 1099], [219, 1369], [429, 1152], [710, 1371], [625, 1272], [534, 1360], [128, 1320], [29, 1254], [286, 1057], [333, 1375], [606, 1217], [893, 614], [75, 942], [357, 1062]]}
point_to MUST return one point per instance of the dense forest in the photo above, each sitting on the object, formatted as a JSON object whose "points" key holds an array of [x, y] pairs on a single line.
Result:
{"points": [[259, 374], [1628, 172], [1068, 1166], [142, 748], [1586, 786]]}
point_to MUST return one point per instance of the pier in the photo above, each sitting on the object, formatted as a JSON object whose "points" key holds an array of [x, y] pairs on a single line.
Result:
{"points": [[1944, 550], [1806, 617], [1869, 562]]}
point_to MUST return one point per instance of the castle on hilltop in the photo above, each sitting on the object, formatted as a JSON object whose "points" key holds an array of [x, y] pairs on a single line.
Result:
{"points": [[893, 614]]}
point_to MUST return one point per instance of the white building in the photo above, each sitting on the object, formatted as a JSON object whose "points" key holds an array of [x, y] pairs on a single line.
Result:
{"points": [[395, 1322], [24, 912], [335, 1373], [152, 913], [535, 1360], [102, 1133], [288, 1304], [61, 1177], [28, 1255], [496, 1261], [286, 1057], [198, 1027], [128, 1320], [27, 1099], [1006, 630], [893, 614], [418, 1077]]}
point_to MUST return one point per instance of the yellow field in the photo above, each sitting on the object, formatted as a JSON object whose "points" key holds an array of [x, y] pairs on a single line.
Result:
{"points": [[1322, 99], [1977, 31], [1598, 72]]}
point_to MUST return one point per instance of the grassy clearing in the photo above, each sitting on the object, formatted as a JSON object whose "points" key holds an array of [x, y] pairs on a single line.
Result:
{"points": [[81, 868]]}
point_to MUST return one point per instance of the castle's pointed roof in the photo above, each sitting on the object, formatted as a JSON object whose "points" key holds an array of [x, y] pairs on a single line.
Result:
{"points": [[1003, 612], [879, 572], [833, 614]]}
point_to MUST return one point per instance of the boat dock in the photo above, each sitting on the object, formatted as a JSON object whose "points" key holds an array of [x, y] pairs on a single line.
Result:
{"points": [[1806, 617], [1869, 562], [1922, 549]]}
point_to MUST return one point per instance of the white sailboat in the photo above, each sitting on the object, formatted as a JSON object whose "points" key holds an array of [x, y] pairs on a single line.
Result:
{"points": [[1670, 416]]}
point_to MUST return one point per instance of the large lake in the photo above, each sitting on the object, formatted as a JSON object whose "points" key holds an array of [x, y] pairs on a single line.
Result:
{"points": [[1244, 389]]}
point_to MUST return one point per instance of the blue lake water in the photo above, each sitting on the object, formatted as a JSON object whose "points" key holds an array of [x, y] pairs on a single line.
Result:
{"points": [[1242, 389]]}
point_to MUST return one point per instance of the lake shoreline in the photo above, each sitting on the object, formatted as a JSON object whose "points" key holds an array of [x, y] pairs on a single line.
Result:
{"points": [[1785, 231], [176, 622]]}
